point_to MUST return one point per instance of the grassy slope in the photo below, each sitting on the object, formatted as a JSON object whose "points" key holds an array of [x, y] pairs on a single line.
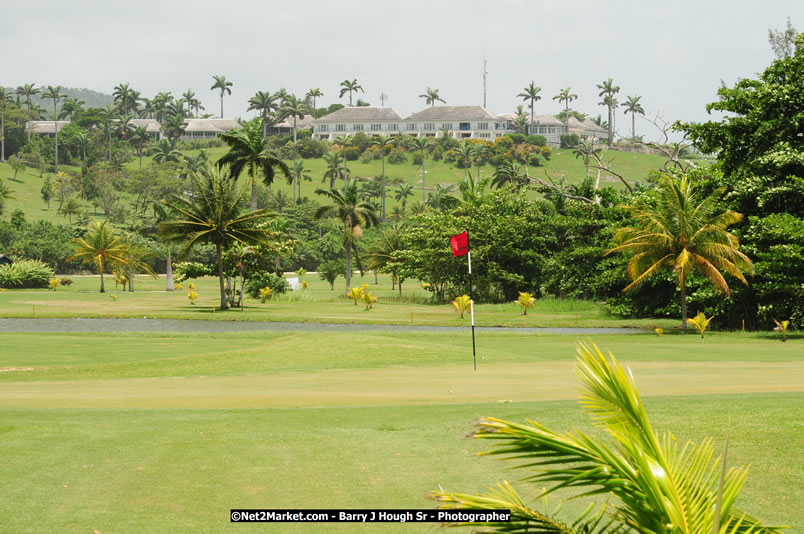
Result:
{"points": [[563, 164], [82, 450]]}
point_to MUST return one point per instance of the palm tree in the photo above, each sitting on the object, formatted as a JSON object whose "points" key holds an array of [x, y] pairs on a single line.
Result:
{"points": [[297, 109], [382, 141], [108, 115], [479, 152], [189, 99], [607, 91], [300, 174], [381, 253], [248, 149], [55, 94], [334, 168], [521, 120], [683, 231], [510, 173], [5, 99], [71, 107], [350, 87], [139, 139], [633, 107], [531, 94], [101, 247], [27, 91], [223, 85], [353, 214], [431, 97], [402, 193], [344, 141], [564, 95], [121, 96], [313, 94], [463, 154], [652, 484], [213, 215], [421, 144], [265, 103], [173, 127], [163, 152]]}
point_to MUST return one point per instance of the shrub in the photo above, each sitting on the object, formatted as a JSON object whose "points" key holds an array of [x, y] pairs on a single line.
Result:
{"points": [[569, 141], [190, 269], [66, 281], [25, 274], [366, 157], [418, 158], [538, 140], [351, 153], [262, 279], [331, 270], [397, 157]]}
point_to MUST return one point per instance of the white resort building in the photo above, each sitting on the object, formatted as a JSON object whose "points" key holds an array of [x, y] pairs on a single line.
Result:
{"points": [[207, 128]]}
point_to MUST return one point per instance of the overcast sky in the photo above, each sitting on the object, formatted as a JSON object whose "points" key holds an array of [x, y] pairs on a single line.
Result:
{"points": [[673, 54]]}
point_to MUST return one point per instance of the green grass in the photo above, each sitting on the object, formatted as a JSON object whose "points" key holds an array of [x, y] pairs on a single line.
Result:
{"points": [[317, 304], [163, 432], [563, 164]]}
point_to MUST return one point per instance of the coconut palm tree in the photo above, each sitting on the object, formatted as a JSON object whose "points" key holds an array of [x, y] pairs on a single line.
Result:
{"points": [[101, 247], [509, 172], [301, 174], [122, 95], [431, 97], [334, 168], [313, 94], [463, 154], [350, 87], [480, 152], [139, 139], [189, 99], [530, 94], [382, 141], [108, 115], [213, 215], [651, 483], [682, 231], [54, 93], [403, 192], [26, 91], [421, 144], [380, 256], [564, 95], [353, 214], [296, 109], [607, 91], [248, 149], [633, 107], [173, 127], [265, 103], [521, 120], [5, 100], [223, 85]]}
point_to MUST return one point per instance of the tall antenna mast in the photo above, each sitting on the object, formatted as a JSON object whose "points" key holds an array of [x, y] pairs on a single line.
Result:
{"points": [[485, 75]]}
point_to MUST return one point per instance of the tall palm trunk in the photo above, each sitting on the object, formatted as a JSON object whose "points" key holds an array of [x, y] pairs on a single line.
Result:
{"points": [[295, 164], [345, 172], [348, 273], [383, 184], [56, 129], [100, 268], [253, 186], [633, 130], [169, 270], [683, 308], [219, 252], [3, 133], [424, 180], [221, 104]]}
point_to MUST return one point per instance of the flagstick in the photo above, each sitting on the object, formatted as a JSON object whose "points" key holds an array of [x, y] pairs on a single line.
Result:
{"points": [[471, 300]]}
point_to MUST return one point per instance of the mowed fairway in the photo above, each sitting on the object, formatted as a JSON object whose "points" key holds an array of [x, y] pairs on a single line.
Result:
{"points": [[166, 432]]}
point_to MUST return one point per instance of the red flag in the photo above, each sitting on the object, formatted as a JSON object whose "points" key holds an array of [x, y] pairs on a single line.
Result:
{"points": [[460, 244]]}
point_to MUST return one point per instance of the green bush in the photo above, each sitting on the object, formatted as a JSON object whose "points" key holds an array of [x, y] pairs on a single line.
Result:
{"points": [[25, 274], [262, 279], [569, 141], [191, 269], [397, 157]]}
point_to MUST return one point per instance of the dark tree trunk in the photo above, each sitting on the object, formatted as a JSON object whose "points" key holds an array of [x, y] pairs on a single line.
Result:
{"points": [[348, 266], [683, 308], [219, 251]]}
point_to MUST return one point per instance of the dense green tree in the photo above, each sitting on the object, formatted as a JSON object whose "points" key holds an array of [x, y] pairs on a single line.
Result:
{"points": [[531, 95], [173, 127], [71, 107], [139, 139], [249, 150], [352, 215], [350, 87], [213, 215], [223, 86], [760, 153]]}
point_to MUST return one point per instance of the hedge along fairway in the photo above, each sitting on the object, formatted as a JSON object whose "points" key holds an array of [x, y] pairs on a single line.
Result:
{"points": [[166, 432]]}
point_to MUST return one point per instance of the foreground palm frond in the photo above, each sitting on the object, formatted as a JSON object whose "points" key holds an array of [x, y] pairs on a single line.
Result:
{"points": [[658, 485]]}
